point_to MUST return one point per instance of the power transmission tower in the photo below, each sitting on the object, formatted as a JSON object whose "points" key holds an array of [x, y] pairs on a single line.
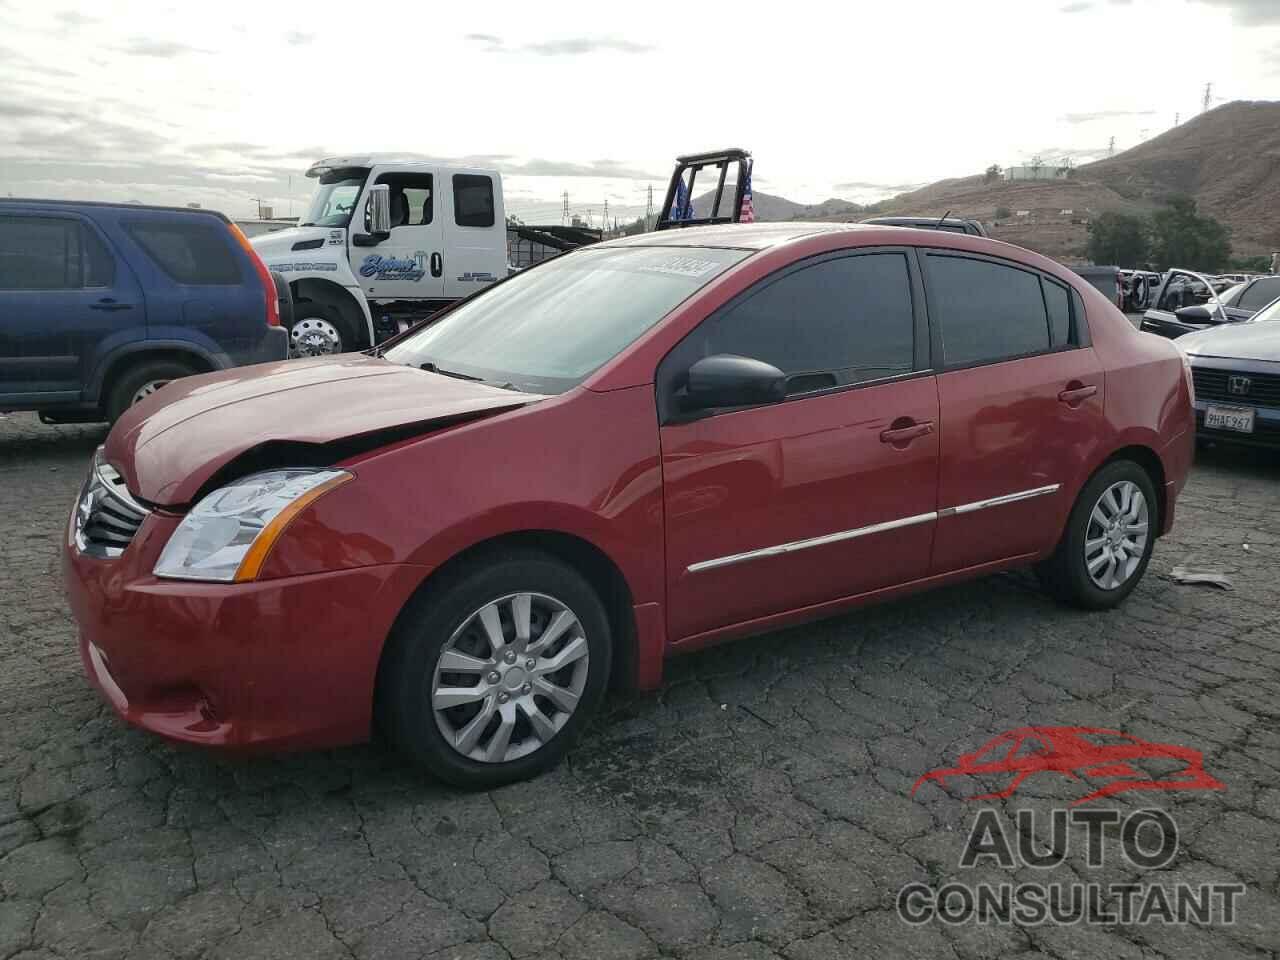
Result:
{"points": [[604, 223], [564, 212], [1177, 118], [648, 210], [1111, 148], [1208, 97]]}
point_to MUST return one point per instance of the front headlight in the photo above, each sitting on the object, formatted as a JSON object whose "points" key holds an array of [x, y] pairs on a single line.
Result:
{"points": [[230, 532]]}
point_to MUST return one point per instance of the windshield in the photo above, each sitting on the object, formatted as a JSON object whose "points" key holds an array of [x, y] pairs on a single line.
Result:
{"points": [[335, 198], [546, 330]]}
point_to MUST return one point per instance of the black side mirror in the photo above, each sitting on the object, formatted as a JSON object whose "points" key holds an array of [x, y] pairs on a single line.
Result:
{"points": [[1195, 314], [725, 380]]}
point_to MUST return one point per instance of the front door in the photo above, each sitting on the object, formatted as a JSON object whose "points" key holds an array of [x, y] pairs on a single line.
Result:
{"points": [[828, 494], [408, 265], [1021, 394]]}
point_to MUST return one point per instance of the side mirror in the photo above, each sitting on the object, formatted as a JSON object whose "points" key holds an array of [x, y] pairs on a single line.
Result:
{"points": [[725, 380], [378, 216], [1195, 314]]}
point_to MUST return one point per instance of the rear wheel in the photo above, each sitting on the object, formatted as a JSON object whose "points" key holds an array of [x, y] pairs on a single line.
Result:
{"points": [[141, 381], [490, 675], [1107, 544], [318, 330]]}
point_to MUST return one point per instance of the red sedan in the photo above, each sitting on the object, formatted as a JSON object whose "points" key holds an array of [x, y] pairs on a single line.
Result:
{"points": [[634, 450]]}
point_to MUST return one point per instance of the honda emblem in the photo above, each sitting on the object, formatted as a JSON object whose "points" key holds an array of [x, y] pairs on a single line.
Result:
{"points": [[1239, 386]]}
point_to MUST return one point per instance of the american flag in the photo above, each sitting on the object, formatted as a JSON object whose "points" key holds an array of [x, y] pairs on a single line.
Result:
{"points": [[681, 209], [748, 209]]}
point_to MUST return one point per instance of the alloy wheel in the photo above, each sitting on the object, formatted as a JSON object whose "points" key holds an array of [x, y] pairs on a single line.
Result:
{"points": [[146, 390], [510, 677], [1116, 538]]}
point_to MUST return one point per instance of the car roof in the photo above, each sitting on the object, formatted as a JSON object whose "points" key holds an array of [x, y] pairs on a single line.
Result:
{"points": [[737, 236], [108, 205], [911, 221]]}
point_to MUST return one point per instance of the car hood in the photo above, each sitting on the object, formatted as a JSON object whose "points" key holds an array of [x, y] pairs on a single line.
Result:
{"points": [[1241, 341], [281, 242], [169, 445]]}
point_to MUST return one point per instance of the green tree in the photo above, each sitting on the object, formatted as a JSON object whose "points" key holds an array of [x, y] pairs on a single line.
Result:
{"points": [[1181, 237], [992, 173], [1117, 239], [1003, 213]]}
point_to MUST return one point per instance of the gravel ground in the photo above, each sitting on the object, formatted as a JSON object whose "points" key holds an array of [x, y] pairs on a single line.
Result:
{"points": [[757, 806]]}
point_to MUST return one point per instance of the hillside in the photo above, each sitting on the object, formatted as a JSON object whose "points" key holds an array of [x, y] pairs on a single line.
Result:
{"points": [[1228, 159], [768, 207]]}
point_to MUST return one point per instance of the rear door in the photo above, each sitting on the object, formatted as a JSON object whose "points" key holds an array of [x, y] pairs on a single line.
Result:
{"points": [[409, 264], [65, 300], [475, 234], [1021, 398], [827, 494]]}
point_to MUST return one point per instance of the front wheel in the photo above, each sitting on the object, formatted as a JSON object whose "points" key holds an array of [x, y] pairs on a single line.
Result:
{"points": [[491, 674], [140, 382], [1107, 544]]}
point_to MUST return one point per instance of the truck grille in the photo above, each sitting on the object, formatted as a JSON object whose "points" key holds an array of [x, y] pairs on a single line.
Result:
{"points": [[1263, 389], [107, 517]]}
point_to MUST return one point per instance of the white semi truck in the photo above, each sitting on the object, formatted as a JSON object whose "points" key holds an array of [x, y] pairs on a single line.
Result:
{"points": [[383, 244]]}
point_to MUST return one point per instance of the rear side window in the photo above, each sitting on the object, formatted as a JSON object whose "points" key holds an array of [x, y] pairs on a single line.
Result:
{"points": [[194, 253], [52, 253], [987, 311], [837, 322], [1059, 306], [472, 200], [1259, 294]]}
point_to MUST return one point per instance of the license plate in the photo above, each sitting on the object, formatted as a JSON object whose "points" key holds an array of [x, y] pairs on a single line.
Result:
{"points": [[1239, 419]]}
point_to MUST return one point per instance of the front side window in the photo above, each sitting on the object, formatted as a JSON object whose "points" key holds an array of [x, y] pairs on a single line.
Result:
{"points": [[472, 200], [987, 311], [193, 253], [1259, 294], [546, 330], [836, 322], [335, 198], [412, 199]]}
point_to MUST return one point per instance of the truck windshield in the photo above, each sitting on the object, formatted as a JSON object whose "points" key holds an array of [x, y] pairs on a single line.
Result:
{"points": [[335, 198], [546, 330]]}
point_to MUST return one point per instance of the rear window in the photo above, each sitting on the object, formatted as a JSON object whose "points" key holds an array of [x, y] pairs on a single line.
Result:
{"points": [[1055, 298], [194, 253], [472, 200], [1259, 294]]}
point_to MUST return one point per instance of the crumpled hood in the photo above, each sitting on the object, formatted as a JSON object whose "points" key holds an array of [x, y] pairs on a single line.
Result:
{"points": [[170, 444], [1241, 341]]}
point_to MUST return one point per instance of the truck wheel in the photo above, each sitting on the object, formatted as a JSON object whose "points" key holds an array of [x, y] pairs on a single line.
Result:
{"points": [[139, 382], [318, 331]]}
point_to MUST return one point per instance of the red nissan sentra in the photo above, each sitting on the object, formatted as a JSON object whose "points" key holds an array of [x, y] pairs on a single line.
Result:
{"points": [[636, 449]]}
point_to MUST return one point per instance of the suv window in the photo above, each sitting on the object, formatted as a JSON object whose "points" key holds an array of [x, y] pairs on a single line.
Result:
{"points": [[51, 253], [412, 202], [195, 253], [987, 311], [833, 323], [1259, 294], [472, 200]]}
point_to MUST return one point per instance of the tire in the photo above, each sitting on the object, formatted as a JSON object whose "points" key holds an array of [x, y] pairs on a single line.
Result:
{"points": [[125, 389], [447, 617], [314, 329], [1066, 574]]}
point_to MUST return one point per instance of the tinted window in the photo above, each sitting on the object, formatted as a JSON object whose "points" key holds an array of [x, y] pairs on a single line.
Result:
{"points": [[986, 311], [412, 202], [99, 264], [1055, 299], [1259, 294], [38, 253], [837, 322], [196, 253], [472, 200]]}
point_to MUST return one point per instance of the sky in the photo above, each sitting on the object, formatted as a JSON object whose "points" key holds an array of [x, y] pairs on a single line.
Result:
{"points": [[227, 104]]}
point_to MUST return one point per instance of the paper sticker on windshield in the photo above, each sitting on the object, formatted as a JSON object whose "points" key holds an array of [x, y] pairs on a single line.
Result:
{"points": [[682, 267]]}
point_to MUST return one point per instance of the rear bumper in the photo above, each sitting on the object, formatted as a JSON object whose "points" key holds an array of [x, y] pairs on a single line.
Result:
{"points": [[279, 664]]}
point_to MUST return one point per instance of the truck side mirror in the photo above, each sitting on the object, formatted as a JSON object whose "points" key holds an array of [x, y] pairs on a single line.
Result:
{"points": [[378, 216]]}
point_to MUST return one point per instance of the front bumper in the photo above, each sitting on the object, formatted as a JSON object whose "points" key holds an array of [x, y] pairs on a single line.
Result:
{"points": [[277, 664]]}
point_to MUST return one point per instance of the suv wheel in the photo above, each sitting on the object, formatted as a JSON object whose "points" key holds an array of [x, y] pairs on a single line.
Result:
{"points": [[139, 382], [489, 676], [1107, 544]]}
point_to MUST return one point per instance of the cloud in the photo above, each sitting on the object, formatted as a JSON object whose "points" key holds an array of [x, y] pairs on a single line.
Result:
{"points": [[163, 49], [566, 47], [74, 18], [612, 169], [1249, 12], [868, 185], [1078, 7], [297, 38], [1075, 118]]}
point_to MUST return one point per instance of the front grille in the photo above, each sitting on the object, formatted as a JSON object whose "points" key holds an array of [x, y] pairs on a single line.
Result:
{"points": [[1263, 388], [107, 516]]}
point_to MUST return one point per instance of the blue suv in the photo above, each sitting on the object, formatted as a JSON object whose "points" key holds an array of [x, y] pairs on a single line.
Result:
{"points": [[102, 304]]}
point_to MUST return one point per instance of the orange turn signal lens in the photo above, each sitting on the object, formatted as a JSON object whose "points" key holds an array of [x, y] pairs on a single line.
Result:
{"points": [[252, 563]]}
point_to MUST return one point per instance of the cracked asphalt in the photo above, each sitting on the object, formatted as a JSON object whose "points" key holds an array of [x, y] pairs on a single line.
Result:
{"points": [[758, 806]]}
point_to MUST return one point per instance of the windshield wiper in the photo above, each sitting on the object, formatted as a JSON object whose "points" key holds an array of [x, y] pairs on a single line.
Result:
{"points": [[432, 368]]}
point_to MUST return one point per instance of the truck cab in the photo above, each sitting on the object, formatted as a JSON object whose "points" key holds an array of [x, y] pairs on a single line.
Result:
{"points": [[385, 243]]}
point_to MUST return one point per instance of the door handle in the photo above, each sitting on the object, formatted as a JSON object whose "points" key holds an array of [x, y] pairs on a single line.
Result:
{"points": [[106, 303], [437, 265], [1077, 393], [904, 430]]}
